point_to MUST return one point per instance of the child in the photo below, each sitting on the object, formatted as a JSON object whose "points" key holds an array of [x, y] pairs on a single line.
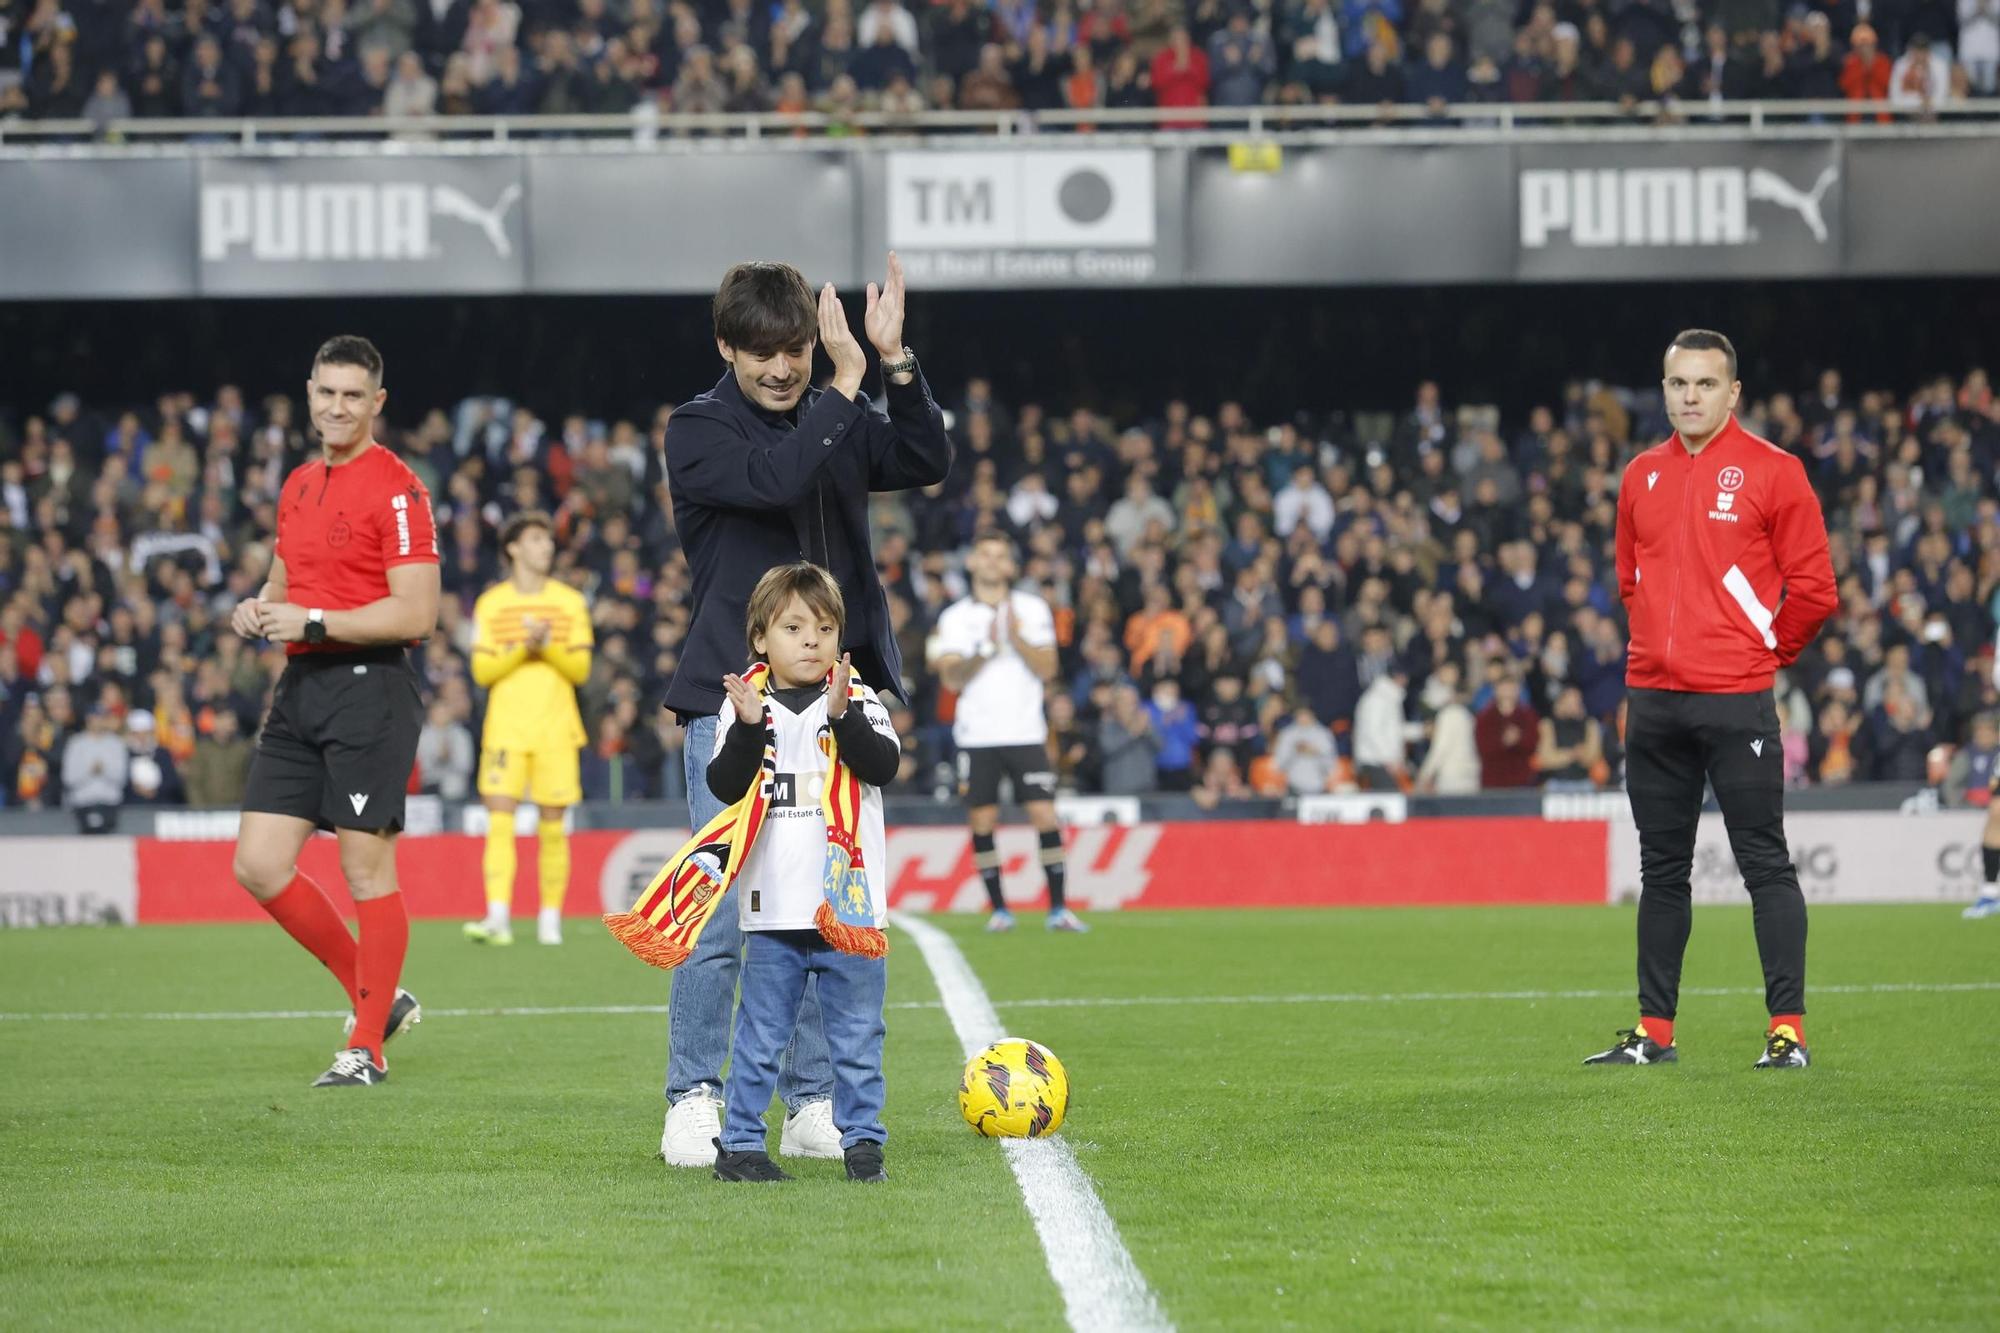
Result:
{"points": [[783, 715]]}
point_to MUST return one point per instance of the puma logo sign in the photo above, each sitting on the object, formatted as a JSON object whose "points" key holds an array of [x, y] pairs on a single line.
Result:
{"points": [[1772, 188], [358, 801], [452, 203], [1757, 747], [1651, 477]]}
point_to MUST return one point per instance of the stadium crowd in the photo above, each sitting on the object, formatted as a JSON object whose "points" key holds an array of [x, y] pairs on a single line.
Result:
{"points": [[1420, 601], [111, 59]]}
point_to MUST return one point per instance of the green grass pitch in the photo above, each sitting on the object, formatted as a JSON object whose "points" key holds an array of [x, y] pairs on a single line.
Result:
{"points": [[1285, 1132]]}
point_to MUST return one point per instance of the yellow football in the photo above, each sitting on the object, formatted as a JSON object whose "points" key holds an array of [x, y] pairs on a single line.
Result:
{"points": [[1014, 1089]]}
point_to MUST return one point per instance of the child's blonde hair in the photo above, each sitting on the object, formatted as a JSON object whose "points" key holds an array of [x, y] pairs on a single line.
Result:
{"points": [[774, 592]]}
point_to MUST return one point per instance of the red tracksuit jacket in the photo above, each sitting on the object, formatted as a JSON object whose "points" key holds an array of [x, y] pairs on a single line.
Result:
{"points": [[1722, 564]]}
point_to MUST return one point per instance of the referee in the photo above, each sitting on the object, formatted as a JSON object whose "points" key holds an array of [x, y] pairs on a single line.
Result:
{"points": [[1725, 576], [354, 580]]}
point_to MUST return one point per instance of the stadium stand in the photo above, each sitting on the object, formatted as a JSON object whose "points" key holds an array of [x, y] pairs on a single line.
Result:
{"points": [[1418, 600], [116, 60]]}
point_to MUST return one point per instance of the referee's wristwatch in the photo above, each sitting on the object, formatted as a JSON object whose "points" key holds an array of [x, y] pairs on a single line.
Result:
{"points": [[316, 626]]}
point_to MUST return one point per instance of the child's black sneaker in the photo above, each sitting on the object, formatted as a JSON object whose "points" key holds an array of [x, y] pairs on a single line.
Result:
{"points": [[750, 1165], [864, 1162]]}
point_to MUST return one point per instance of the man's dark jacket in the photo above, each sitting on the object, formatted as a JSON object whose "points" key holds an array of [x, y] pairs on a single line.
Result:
{"points": [[752, 491]]}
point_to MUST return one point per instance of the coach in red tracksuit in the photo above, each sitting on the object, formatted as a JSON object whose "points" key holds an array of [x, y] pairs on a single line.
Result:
{"points": [[1724, 571]]}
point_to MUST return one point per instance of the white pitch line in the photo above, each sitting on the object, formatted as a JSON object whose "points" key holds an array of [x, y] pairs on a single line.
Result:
{"points": [[1101, 1286], [1047, 1002]]}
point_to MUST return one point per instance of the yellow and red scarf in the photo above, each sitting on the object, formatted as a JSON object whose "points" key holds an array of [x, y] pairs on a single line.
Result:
{"points": [[664, 923]]}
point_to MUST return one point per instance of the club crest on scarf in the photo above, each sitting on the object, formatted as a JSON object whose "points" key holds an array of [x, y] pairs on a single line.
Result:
{"points": [[668, 917]]}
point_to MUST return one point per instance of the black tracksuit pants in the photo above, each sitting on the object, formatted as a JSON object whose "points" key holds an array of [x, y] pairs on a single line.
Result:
{"points": [[1673, 740]]}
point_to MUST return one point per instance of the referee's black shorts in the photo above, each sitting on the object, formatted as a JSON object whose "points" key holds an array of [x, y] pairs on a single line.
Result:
{"points": [[340, 741], [980, 769]]}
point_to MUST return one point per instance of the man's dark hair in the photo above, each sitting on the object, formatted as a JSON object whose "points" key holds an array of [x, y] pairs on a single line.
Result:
{"points": [[525, 521], [763, 307], [1705, 340], [347, 349]]}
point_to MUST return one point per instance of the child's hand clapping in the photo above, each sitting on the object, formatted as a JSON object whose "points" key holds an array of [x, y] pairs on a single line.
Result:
{"points": [[836, 696], [749, 707]]}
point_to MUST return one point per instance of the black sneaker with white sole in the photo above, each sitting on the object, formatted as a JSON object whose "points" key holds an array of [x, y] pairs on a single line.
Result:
{"points": [[751, 1165], [1636, 1048], [404, 1014], [353, 1068], [864, 1162], [1783, 1050]]}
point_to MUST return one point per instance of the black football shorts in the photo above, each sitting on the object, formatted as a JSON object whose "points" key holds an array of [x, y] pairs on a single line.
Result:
{"points": [[1026, 766], [340, 741]]}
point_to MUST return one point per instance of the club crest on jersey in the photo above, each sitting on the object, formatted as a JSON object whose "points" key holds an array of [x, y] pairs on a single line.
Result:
{"points": [[1730, 478], [339, 534]]}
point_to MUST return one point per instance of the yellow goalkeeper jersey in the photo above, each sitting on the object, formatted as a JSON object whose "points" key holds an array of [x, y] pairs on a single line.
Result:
{"points": [[532, 704]]}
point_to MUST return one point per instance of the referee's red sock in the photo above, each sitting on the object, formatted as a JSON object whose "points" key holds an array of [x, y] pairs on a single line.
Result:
{"points": [[1796, 1022], [385, 938], [310, 917], [1660, 1030]]}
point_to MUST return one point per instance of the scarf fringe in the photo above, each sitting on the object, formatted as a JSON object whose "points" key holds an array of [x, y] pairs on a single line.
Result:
{"points": [[637, 934], [863, 941]]}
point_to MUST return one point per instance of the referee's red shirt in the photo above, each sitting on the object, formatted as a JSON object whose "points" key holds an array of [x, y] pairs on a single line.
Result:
{"points": [[1722, 564], [342, 529]]}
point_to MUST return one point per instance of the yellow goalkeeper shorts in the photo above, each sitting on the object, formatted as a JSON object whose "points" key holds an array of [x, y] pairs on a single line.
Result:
{"points": [[549, 778]]}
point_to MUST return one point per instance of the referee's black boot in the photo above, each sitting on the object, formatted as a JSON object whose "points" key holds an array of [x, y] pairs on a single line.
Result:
{"points": [[353, 1068], [1636, 1048], [749, 1165], [1783, 1050], [405, 1014]]}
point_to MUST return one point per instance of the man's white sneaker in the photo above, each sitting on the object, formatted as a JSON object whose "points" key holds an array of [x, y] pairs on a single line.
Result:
{"points": [[693, 1125], [811, 1132], [548, 927]]}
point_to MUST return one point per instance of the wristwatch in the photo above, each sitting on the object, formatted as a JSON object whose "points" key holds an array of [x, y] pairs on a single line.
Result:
{"points": [[903, 367], [986, 649], [316, 626]]}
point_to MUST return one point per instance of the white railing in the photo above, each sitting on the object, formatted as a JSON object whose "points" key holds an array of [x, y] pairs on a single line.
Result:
{"points": [[647, 125]]}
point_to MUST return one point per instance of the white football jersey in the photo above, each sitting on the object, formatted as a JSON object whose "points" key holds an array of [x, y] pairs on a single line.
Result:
{"points": [[782, 882], [1003, 703]]}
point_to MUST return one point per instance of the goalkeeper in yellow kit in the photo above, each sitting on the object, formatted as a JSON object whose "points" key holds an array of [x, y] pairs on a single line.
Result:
{"points": [[531, 649]]}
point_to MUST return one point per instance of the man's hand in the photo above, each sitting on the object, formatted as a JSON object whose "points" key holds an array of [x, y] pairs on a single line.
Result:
{"points": [[842, 348], [282, 622], [538, 633], [836, 693], [248, 618], [749, 707], [883, 320]]}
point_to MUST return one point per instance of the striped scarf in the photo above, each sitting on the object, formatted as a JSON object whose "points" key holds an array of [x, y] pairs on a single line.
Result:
{"points": [[664, 923]]}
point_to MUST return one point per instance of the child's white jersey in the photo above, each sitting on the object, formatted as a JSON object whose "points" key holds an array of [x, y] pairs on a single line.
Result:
{"points": [[781, 884]]}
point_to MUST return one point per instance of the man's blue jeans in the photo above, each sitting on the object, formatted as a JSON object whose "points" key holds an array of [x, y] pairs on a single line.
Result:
{"points": [[703, 992], [778, 966]]}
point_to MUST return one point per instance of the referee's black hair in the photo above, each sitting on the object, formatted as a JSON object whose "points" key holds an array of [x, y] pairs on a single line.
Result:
{"points": [[765, 307], [348, 349], [1705, 340]]}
